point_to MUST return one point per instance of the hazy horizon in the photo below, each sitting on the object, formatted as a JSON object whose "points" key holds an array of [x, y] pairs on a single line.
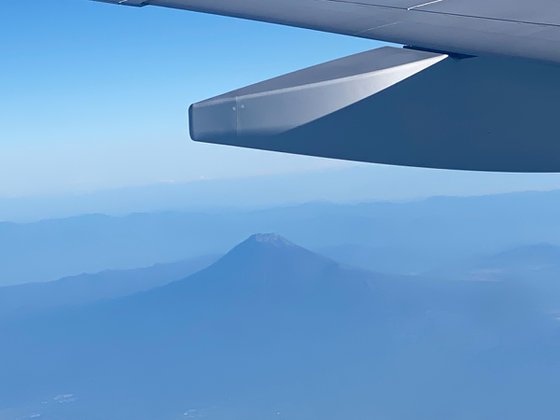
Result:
{"points": [[345, 185]]}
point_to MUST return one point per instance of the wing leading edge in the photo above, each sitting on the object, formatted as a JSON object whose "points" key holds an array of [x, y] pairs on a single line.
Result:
{"points": [[514, 28]]}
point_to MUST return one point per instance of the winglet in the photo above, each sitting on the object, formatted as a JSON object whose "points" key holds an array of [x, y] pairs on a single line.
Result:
{"points": [[288, 102], [401, 107]]}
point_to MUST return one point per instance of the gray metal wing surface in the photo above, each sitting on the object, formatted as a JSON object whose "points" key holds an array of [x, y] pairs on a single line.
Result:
{"points": [[476, 88], [517, 28]]}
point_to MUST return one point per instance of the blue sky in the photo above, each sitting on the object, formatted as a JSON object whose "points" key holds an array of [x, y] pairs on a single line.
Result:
{"points": [[95, 96]]}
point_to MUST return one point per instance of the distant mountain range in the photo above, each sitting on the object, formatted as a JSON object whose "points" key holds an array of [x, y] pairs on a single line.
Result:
{"points": [[530, 262], [410, 237], [533, 268], [345, 183], [274, 331]]}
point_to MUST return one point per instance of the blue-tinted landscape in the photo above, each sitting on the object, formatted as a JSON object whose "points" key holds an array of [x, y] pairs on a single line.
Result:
{"points": [[440, 308], [145, 276]]}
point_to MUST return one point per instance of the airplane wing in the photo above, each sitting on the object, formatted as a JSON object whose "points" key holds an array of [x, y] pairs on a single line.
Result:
{"points": [[517, 28], [475, 89]]}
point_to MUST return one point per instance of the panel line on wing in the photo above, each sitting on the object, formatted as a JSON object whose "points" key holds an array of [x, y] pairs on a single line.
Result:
{"points": [[419, 9], [424, 4]]}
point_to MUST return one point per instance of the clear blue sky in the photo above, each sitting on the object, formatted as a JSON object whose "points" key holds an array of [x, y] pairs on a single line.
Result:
{"points": [[95, 96]]}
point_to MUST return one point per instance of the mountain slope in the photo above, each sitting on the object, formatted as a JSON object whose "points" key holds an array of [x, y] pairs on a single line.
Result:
{"points": [[88, 288]]}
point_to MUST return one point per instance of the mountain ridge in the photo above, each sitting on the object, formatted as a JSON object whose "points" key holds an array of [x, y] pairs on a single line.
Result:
{"points": [[414, 236], [25, 299]]}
